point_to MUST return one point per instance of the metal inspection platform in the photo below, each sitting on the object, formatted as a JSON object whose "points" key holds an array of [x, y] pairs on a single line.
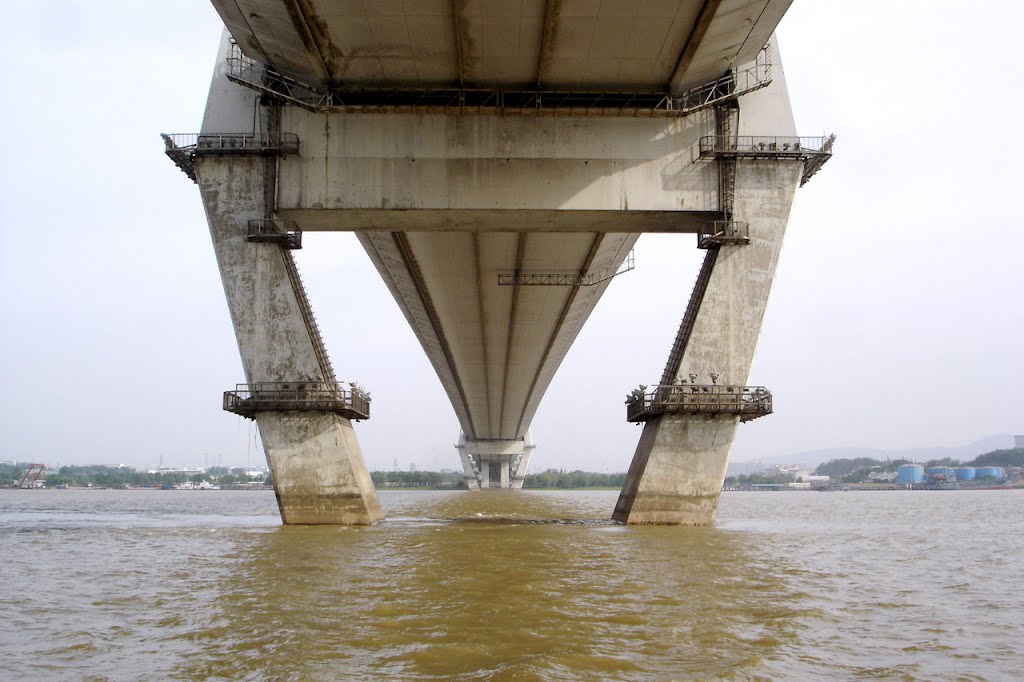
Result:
{"points": [[183, 148], [564, 279], [813, 151], [275, 231], [737, 81], [723, 232], [749, 402], [298, 396]]}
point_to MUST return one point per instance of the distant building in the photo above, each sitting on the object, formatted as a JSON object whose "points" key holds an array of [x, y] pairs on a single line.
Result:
{"points": [[189, 471], [1018, 441], [794, 471], [886, 476]]}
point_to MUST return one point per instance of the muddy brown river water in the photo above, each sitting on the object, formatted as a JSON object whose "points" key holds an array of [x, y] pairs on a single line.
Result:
{"points": [[132, 585]]}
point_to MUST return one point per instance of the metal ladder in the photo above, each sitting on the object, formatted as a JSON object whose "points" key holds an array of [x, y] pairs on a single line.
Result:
{"points": [[319, 349], [726, 193], [700, 287]]}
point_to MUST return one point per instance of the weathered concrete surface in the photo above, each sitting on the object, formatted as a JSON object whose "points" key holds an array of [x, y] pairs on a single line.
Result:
{"points": [[602, 46], [446, 204], [508, 460], [319, 472], [470, 163], [677, 471], [680, 462]]}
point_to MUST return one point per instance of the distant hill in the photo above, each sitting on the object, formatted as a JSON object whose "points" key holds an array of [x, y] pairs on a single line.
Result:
{"points": [[812, 458]]}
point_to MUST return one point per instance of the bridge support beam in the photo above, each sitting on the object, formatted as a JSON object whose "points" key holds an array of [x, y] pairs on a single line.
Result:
{"points": [[679, 465], [319, 473], [495, 463]]}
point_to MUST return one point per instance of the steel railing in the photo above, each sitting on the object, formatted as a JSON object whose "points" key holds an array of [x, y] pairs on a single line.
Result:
{"points": [[570, 279], [768, 146], [263, 78], [751, 77], [723, 232], [749, 402], [298, 396], [213, 143], [275, 230]]}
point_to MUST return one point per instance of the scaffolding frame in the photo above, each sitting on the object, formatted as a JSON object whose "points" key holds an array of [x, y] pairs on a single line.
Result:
{"points": [[813, 151], [529, 102], [721, 232], [247, 400], [749, 402], [565, 279], [275, 231], [183, 148]]}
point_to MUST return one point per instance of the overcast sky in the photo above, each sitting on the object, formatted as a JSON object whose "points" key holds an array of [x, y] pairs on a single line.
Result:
{"points": [[896, 320]]}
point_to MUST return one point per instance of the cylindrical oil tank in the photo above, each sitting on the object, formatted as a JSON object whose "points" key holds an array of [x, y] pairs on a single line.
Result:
{"points": [[909, 473], [941, 473], [994, 472], [965, 473]]}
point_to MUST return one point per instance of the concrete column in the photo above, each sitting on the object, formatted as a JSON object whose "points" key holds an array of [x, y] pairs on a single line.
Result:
{"points": [[469, 474], [499, 453], [519, 475], [319, 473], [680, 462], [505, 465]]}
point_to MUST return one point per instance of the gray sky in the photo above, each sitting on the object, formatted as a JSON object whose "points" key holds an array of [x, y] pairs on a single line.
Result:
{"points": [[896, 320]]}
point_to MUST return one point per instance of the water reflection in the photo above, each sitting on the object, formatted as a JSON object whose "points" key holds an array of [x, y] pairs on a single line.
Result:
{"points": [[472, 587]]}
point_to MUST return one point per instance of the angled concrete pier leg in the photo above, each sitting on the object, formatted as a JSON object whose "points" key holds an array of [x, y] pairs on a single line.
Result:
{"points": [[319, 473], [470, 474], [680, 462], [522, 465], [677, 471]]}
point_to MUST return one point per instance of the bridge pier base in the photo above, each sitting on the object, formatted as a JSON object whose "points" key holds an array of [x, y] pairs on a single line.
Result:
{"points": [[677, 471], [319, 473]]}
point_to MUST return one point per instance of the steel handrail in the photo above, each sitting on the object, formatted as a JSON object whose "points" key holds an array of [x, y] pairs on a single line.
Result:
{"points": [[766, 144]]}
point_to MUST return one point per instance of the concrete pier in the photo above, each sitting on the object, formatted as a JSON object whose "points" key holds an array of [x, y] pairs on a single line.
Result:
{"points": [[319, 473], [680, 462]]}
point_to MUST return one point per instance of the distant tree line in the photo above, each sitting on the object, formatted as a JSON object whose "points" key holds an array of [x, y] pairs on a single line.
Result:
{"points": [[99, 476], [556, 478], [757, 479], [417, 479], [552, 478]]}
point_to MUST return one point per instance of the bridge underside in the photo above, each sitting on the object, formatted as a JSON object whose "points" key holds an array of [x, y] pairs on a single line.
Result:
{"points": [[497, 235], [572, 45]]}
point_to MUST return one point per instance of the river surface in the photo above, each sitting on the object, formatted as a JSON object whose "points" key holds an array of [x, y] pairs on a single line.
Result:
{"points": [[194, 585]]}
